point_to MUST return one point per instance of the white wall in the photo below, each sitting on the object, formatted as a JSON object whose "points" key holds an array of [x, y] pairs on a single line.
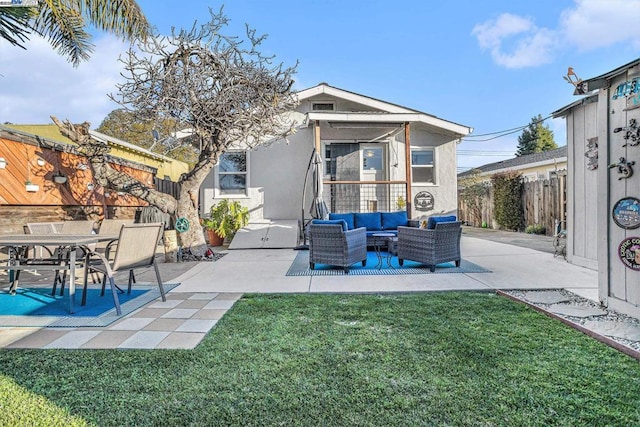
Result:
{"points": [[445, 189], [582, 188], [621, 286]]}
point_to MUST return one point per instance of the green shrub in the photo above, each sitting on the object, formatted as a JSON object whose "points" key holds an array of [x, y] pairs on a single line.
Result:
{"points": [[507, 199], [535, 229]]}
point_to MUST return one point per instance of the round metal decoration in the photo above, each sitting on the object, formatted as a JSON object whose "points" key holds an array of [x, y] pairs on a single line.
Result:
{"points": [[626, 213], [629, 252], [423, 201], [182, 224]]}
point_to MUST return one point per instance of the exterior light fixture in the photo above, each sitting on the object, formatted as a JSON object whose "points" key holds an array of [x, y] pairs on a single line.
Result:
{"points": [[90, 186], [59, 178], [82, 166], [40, 162], [3, 163]]}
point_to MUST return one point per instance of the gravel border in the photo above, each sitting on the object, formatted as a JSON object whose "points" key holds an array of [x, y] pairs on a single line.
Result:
{"points": [[631, 348]]}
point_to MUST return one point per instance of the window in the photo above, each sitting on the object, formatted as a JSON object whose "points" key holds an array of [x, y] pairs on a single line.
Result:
{"points": [[323, 106], [232, 173], [422, 166]]}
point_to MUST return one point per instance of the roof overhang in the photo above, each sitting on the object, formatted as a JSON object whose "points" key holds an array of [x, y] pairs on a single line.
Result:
{"points": [[604, 80], [373, 120], [110, 140], [562, 112]]}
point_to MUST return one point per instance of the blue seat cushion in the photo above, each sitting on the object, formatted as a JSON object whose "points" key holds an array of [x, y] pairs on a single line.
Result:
{"points": [[392, 220], [341, 222], [347, 217], [433, 220], [371, 221]]}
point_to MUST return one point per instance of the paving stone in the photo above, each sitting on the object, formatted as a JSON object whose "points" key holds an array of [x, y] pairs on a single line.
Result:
{"points": [[545, 297], [612, 328], [144, 339], [180, 313], [73, 339], [217, 304], [181, 340], [107, 339], [196, 325], [576, 311]]}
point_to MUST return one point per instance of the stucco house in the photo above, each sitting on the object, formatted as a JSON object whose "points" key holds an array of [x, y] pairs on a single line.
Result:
{"points": [[603, 192], [377, 156]]}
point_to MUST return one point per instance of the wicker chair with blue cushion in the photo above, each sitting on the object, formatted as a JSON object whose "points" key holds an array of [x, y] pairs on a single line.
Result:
{"points": [[331, 243], [430, 246]]}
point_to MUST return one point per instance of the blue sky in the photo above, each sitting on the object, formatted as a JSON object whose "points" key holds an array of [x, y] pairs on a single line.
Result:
{"points": [[491, 65]]}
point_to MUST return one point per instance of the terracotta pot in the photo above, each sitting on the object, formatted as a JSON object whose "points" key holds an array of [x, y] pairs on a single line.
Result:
{"points": [[214, 239]]}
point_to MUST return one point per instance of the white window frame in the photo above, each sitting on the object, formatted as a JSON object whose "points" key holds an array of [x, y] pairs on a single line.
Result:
{"points": [[433, 166], [218, 191]]}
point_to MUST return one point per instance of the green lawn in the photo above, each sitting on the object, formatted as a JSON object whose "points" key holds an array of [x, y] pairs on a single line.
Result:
{"points": [[296, 360]]}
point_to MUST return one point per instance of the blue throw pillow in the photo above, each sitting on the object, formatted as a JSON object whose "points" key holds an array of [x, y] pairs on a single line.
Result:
{"points": [[347, 217], [341, 222], [392, 220], [372, 221], [433, 220]]}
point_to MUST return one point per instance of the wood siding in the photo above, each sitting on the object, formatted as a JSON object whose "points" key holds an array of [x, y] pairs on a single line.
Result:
{"points": [[542, 200]]}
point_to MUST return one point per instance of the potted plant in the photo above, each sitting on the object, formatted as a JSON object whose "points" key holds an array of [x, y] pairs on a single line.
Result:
{"points": [[225, 219], [31, 187]]}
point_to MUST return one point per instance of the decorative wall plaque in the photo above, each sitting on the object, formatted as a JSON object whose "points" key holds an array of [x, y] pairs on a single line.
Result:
{"points": [[624, 168], [423, 201], [629, 252], [592, 153], [626, 213]]}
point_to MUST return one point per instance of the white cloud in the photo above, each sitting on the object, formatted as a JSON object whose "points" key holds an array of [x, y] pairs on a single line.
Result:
{"points": [[516, 42], [594, 24], [532, 45], [37, 83]]}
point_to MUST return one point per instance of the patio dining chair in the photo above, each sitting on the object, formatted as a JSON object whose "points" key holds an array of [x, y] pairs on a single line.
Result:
{"points": [[71, 227], [107, 227], [136, 248], [77, 227], [47, 255]]}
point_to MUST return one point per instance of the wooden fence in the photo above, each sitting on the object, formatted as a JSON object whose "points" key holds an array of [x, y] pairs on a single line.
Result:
{"points": [[543, 201], [167, 187]]}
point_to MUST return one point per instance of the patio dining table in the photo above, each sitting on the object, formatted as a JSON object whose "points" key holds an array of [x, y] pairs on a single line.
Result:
{"points": [[18, 260]]}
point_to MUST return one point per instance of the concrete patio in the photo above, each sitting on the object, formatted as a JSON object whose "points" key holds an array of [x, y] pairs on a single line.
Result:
{"points": [[208, 289]]}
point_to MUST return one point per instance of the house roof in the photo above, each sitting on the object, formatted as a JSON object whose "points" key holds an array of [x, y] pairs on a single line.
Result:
{"points": [[519, 162], [52, 133], [604, 80], [388, 112]]}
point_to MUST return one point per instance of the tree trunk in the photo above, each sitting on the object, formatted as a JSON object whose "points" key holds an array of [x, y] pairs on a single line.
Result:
{"points": [[187, 207]]}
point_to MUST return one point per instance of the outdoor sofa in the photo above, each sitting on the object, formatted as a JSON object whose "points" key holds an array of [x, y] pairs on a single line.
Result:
{"points": [[375, 222]]}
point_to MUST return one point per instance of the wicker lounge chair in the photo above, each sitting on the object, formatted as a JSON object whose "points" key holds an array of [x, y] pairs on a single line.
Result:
{"points": [[430, 246], [331, 244]]}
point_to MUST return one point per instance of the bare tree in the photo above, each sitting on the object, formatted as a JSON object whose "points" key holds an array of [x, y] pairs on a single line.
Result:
{"points": [[222, 87]]}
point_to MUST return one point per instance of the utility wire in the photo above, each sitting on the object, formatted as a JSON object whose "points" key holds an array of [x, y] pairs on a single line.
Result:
{"points": [[500, 134]]}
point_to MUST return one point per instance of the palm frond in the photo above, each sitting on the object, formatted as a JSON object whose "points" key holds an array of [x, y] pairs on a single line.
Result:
{"points": [[65, 29], [124, 18], [15, 24]]}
